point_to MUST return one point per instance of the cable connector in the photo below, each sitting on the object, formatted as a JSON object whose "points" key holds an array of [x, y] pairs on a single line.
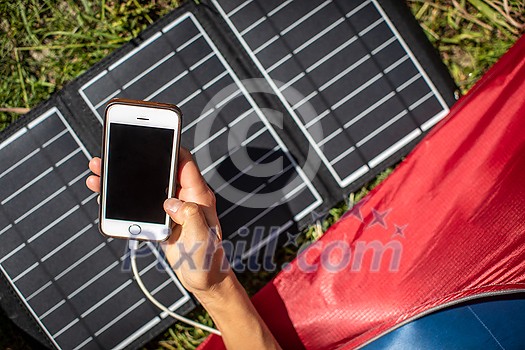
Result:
{"points": [[133, 246]]}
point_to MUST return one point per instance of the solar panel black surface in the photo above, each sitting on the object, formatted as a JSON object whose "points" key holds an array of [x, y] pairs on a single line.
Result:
{"points": [[371, 95]]}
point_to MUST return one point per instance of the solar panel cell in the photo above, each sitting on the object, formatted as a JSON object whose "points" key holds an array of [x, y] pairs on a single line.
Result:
{"points": [[364, 16], [248, 16], [232, 6], [415, 92], [123, 299], [45, 129], [23, 177], [61, 318], [45, 303], [76, 338], [99, 93], [16, 208], [16, 152], [428, 112]]}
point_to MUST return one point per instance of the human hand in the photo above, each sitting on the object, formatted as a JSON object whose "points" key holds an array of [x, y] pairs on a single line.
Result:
{"points": [[193, 248], [196, 235]]}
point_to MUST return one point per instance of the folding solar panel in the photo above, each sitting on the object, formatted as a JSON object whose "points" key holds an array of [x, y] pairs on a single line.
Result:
{"points": [[343, 79]]}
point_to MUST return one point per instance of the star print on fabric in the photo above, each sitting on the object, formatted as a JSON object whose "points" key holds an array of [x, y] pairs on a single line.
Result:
{"points": [[292, 239], [318, 215], [400, 230], [379, 218], [355, 211]]}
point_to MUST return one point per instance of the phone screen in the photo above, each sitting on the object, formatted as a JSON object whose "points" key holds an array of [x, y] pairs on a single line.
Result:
{"points": [[138, 172]]}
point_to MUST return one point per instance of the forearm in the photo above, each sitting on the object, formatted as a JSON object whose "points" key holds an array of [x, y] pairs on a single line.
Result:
{"points": [[235, 316]]}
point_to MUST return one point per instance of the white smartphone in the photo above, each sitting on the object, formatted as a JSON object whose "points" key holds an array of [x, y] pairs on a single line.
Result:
{"points": [[139, 167]]}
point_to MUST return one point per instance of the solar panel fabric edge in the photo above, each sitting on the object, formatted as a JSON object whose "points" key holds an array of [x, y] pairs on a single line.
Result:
{"points": [[17, 313]]}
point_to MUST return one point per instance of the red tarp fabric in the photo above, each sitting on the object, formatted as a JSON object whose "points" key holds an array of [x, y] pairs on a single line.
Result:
{"points": [[448, 224]]}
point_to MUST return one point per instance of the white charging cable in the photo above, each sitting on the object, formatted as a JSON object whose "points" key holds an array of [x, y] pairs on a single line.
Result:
{"points": [[133, 246]]}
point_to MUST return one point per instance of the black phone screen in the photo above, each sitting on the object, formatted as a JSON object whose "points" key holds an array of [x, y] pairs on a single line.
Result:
{"points": [[138, 172]]}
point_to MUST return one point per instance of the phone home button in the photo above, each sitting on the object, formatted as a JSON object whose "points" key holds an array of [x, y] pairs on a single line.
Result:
{"points": [[134, 229]]}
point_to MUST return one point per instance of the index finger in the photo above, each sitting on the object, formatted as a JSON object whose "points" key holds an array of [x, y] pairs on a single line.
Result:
{"points": [[95, 165], [193, 187]]}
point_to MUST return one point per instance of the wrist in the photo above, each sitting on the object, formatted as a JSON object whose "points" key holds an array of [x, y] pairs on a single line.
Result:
{"points": [[219, 293], [234, 314]]}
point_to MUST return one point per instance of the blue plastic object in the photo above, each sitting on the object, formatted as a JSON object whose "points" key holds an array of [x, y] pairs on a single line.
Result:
{"points": [[494, 323]]}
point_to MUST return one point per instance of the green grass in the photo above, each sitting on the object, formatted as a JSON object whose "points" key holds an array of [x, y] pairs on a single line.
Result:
{"points": [[45, 44], [470, 35]]}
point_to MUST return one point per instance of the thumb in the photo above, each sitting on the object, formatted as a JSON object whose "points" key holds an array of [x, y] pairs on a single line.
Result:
{"points": [[188, 215]]}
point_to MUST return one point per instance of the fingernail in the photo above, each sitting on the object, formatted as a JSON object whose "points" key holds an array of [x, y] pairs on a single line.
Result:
{"points": [[172, 204]]}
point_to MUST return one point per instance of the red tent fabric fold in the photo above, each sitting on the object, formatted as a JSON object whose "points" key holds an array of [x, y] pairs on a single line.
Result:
{"points": [[447, 225]]}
